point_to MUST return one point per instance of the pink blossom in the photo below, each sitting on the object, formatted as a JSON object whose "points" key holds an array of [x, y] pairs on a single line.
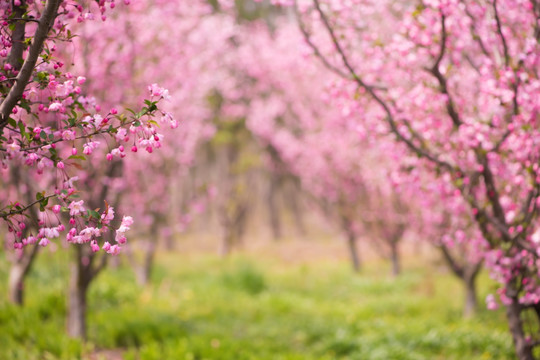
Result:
{"points": [[107, 217], [106, 246], [94, 245], [56, 106], [76, 207], [113, 250]]}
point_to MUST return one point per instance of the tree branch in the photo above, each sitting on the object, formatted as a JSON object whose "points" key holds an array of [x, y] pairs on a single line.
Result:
{"points": [[17, 37], [15, 93], [5, 215], [501, 35], [314, 47], [443, 86], [371, 91], [454, 266]]}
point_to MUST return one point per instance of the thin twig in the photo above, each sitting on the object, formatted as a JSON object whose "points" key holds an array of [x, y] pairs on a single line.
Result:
{"points": [[371, 91]]}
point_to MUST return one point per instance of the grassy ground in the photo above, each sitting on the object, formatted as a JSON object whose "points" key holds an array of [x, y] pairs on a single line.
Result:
{"points": [[206, 308]]}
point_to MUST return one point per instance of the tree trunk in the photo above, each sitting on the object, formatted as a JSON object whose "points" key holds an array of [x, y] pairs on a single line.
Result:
{"points": [[81, 274], [467, 273], [226, 244], [394, 257], [17, 274], [16, 283], [76, 317], [298, 218], [471, 299], [275, 221], [144, 271], [169, 243], [353, 251], [515, 323], [292, 200]]}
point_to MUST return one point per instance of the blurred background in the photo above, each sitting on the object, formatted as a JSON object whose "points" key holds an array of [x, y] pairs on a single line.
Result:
{"points": [[268, 226]]}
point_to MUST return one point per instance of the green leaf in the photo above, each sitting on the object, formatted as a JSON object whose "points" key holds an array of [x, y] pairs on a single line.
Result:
{"points": [[22, 128], [94, 214], [42, 75], [12, 122], [43, 203]]}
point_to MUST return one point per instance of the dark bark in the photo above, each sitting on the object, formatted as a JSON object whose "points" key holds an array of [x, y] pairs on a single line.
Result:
{"points": [[15, 94], [15, 57], [515, 323]]}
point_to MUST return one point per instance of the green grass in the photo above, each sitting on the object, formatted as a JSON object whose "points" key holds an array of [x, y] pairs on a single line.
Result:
{"points": [[208, 308]]}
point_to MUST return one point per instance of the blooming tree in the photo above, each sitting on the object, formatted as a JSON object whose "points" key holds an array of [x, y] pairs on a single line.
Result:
{"points": [[456, 83], [50, 124], [53, 126]]}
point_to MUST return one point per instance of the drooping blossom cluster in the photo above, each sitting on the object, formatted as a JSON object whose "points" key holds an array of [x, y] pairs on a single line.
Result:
{"points": [[124, 67], [52, 125]]}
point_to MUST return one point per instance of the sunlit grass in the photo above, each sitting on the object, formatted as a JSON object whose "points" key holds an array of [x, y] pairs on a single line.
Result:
{"points": [[207, 308]]}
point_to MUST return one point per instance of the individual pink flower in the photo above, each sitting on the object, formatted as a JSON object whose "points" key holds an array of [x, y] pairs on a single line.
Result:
{"points": [[94, 245], [55, 106], [491, 303], [76, 207], [68, 135], [155, 90], [106, 246], [107, 217], [31, 240], [113, 250]]}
